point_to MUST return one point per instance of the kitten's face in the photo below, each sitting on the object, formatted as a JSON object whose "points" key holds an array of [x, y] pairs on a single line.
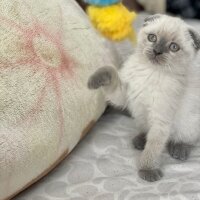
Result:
{"points": [[167, 41]]}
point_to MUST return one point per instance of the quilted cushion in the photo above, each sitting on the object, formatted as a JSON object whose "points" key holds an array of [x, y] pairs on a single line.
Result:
{"points": [[47, 52]]}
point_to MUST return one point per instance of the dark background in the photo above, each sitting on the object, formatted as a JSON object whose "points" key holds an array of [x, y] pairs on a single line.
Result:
{"points": [[183, 8]]}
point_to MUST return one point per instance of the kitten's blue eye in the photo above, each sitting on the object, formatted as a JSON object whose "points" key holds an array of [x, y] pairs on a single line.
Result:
{"points": [[174, 47], [152, 37]]}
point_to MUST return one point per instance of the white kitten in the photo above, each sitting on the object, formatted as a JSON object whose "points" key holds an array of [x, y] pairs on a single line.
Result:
{"points": [[160, 86]]}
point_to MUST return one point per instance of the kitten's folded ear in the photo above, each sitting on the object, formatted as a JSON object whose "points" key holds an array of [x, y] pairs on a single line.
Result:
{"points": [[195, 37], [151, 18]]}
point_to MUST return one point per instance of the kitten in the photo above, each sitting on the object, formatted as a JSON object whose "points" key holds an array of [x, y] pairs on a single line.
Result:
{"points": [[159, 85]]}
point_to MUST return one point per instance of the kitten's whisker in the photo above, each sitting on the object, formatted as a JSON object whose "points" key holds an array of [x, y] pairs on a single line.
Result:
{"points": [[170, 69]]}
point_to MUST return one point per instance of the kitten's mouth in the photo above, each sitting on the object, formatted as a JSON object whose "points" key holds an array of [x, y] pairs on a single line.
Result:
{"points": [[156, 59]]}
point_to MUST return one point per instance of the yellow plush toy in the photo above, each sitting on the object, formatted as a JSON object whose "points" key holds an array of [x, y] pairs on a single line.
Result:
{"points": [[112, 19]]}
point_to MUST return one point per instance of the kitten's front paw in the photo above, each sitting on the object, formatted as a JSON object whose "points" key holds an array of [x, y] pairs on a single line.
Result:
{"points": [[102, 77], [150, 175], [139, 141], [179, 151]]}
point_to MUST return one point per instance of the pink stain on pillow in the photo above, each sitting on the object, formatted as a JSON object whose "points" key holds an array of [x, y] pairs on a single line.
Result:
{"points": [[45, 52]]}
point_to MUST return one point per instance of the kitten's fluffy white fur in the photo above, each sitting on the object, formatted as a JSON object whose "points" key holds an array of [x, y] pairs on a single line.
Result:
{"points": [[162, 94], [186, 126]]}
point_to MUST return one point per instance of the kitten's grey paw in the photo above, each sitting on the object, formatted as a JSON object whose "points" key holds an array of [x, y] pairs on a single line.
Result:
{"points": [[139, 141], [150, 175], [179, 151], [102, 77]]}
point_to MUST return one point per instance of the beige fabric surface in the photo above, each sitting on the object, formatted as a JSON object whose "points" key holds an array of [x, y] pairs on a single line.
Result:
{"points": [[47, 52]]}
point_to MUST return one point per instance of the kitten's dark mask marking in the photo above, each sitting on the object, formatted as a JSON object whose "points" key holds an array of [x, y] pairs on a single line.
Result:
{"points": [[160, 47], [157, 51]]}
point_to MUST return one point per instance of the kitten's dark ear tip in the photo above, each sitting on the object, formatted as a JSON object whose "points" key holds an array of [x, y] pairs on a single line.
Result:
{"points": [[196, 38], [151, 18]]}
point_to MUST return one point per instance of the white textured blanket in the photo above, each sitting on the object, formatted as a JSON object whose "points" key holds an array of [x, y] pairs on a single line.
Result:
{"points": [[103, 167]]}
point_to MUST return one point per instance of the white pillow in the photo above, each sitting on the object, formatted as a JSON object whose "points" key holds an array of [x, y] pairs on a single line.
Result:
{"points": [[48, 50]]}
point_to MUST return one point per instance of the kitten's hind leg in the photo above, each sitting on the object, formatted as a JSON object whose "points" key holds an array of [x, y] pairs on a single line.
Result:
{"points": [[185, 131], [139, 141], [180, 150]]}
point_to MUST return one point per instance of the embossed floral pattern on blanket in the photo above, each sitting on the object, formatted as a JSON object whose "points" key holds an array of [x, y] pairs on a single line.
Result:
{"points": [[47, 52], [104, 167]]}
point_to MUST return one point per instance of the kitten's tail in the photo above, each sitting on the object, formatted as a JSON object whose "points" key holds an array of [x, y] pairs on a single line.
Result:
{"points": [[108, 79]]}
